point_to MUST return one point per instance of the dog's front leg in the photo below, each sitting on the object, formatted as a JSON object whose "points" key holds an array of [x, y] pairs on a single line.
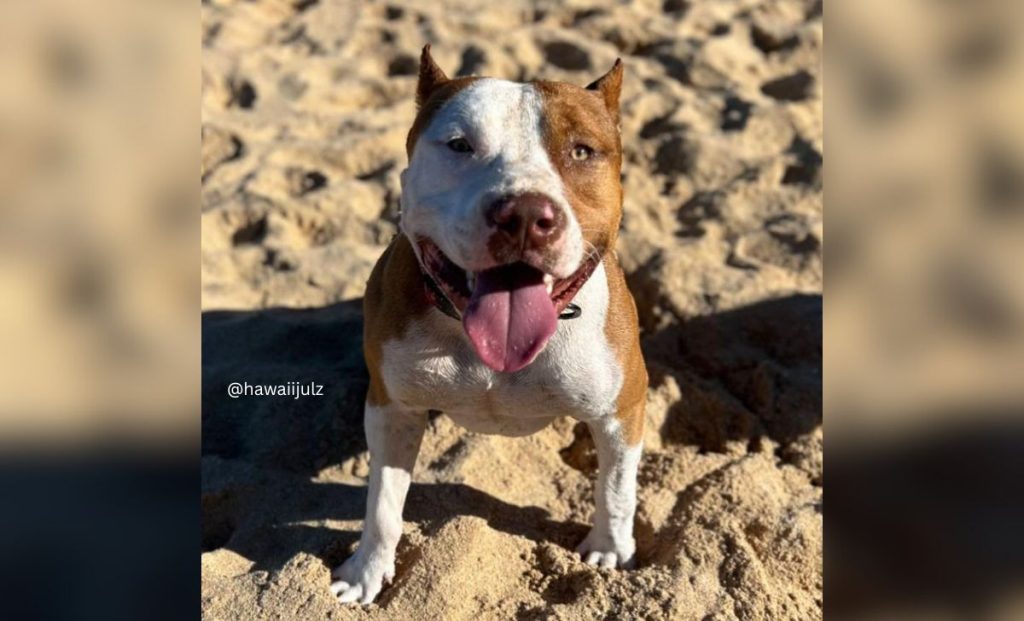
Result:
{"points": [[610, 542], [393, 436]]}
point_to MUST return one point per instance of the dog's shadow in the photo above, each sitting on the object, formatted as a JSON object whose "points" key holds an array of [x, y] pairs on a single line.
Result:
{"points": [[270, 530], [261, 454]]}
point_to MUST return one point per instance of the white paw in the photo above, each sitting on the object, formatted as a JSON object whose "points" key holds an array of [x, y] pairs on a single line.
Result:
{"points": [[602, 550], [360, 579]]}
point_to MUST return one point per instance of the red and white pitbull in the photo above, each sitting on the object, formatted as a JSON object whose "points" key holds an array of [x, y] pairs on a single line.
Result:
{"points": [[510, 210]]}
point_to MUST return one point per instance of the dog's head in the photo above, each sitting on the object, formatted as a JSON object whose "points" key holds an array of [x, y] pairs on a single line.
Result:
{"points": [[512, 189]]}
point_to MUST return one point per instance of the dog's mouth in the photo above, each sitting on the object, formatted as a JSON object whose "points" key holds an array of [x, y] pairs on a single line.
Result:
{"points": [[457, 284], [509, 312]]}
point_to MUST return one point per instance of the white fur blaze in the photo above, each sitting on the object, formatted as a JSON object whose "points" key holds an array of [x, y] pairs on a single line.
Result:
{"points": [[444, 193]]}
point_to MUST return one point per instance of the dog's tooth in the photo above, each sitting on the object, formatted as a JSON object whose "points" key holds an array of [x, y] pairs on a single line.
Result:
{"points": [[471, 280], [549, 282]]}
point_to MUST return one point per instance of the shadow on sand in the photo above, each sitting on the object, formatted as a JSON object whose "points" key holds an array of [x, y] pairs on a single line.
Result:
{"points": [[745, 374]]}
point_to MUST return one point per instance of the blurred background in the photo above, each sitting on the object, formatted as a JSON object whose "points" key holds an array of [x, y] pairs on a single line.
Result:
{"points": [[101, 264], [99, 322], [98, 223], [924, 344]]}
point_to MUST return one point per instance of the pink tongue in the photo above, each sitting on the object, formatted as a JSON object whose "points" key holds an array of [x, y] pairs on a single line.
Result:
{"points": [[510, 316]]}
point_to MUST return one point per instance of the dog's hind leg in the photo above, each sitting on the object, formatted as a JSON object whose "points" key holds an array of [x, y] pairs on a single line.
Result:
{"points": [[393, 436]]}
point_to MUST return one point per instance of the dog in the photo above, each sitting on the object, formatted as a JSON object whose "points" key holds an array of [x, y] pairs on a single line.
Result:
{"points": [[501, 302]]}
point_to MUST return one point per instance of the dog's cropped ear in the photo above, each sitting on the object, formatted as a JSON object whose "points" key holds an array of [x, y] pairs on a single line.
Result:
{"points": [[431, 77], [610, 86]]}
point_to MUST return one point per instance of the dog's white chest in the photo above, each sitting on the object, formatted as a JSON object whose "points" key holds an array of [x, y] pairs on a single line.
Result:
{"points": [[433, 366]]}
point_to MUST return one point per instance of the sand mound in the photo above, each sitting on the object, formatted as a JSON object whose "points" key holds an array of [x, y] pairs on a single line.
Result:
{"points": [[305, 108]]}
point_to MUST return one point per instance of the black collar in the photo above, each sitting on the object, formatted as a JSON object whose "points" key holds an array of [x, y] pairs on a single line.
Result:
{"points": [[440, 300], [443, 304]]}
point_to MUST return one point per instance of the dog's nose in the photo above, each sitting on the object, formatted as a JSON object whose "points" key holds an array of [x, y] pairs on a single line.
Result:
{"points": [[526, 221]]}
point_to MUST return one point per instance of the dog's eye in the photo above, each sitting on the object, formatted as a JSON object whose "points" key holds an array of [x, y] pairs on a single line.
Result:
{"points": [[582, 152], [460, 145]]}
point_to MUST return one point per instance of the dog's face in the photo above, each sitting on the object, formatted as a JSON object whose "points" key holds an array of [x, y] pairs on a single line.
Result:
{"points": [[511, 186]]}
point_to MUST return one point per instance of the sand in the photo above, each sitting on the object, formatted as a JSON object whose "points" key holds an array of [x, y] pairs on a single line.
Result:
{"points": [[305, 110]]}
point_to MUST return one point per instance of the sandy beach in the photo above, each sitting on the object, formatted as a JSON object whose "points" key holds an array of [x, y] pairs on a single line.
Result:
{"points": [[306, 106]]}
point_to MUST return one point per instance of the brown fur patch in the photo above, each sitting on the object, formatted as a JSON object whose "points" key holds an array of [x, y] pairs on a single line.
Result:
{"points": [[395, 295], [430, 78], [610, 86], [576, 116], [621, 328]]}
